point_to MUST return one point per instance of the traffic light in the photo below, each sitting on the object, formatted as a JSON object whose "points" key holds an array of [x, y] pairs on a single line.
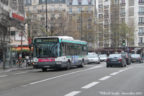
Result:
{"points": [[123, 43]]}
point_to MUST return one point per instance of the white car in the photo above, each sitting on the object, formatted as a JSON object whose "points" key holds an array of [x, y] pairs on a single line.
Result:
{"points": [[103, 57], [93, 58]]}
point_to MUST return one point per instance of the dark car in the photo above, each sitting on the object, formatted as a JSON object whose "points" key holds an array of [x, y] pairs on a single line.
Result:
{"points": [[136, 58], [115, 60], [127, 56]]}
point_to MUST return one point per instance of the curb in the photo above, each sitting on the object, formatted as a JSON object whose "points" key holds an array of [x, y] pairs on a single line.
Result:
{"points": [[14, 69]]}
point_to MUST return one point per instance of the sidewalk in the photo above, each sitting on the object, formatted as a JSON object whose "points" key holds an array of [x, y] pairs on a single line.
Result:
{"points": [[13, 68]]}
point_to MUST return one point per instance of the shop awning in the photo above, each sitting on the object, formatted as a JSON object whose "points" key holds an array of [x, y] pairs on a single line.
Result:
{"points": [[21, 48]]}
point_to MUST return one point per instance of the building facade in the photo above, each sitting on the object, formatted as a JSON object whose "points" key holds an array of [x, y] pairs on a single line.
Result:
{"points": [[119, 20], [11, 15], [42, 24], [64, 17]]}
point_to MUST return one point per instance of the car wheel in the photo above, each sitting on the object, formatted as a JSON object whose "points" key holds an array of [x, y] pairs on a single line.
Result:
{"points": [[82, 64], [68, 66], [108, 66], [122, 65], [44, 69]]}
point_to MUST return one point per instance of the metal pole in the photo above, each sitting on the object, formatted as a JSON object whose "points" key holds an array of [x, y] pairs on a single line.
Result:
{"points": [[4, 50], [10, 61], [81, 24], [46, 17], [20, 62]]}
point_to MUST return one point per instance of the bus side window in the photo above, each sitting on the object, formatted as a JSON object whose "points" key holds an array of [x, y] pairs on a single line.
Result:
{"points": [[84, 50], [63, 51]]}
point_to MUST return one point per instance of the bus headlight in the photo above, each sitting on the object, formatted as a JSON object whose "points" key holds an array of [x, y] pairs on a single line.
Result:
{"points": [[35, 59]]}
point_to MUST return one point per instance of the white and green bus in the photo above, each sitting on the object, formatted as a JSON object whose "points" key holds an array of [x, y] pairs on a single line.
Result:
{"points": [[56, 52]]}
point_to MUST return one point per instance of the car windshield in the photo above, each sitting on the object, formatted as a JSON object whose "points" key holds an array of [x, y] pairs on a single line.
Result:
{"points": [[103, 55], [135, 55], [92, 56], [91, 53], [115, 56], [46, 50]]}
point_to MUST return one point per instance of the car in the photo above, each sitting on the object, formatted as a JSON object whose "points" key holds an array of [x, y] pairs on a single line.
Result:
{"points": [[115, 60], [103, 57], [136, 58], [91, 53], [93, 58], [127, 56]]}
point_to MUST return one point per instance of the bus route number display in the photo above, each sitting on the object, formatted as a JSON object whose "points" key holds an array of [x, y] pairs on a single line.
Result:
{"points": [[44, 40]]}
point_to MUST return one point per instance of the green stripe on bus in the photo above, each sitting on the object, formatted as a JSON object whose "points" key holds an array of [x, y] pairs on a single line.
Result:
{"points": [[77, 42]]}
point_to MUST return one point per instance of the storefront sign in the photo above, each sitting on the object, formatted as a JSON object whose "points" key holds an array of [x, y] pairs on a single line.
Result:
{"points": [[16, 16]]}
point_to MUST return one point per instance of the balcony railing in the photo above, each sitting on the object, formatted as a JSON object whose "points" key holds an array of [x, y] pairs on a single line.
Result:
{"points": [[141, 3], [141, 33], [141, 13], [123, 4], [141, 23], [141, 44]]}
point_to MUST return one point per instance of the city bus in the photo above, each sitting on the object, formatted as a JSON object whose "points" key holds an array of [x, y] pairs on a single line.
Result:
{"points": [[58, 52]]}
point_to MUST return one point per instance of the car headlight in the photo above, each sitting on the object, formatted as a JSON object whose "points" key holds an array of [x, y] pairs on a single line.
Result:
{"points": [[35, 59]]}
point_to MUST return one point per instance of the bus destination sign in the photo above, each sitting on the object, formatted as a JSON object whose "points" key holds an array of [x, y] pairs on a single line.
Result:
{"points": [[45, 40]]}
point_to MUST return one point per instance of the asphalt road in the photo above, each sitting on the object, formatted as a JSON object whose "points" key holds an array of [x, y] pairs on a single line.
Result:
{"points": [[92, 80]]}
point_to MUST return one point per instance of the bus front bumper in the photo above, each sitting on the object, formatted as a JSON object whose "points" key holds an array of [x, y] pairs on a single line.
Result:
{"points": [[49, 65]]}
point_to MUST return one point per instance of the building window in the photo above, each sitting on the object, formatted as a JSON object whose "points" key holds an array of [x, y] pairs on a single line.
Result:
{"points": [[27, 2], [140, 39], [116, 1], [141, 10], [42, 1], [79, 2], [79, 10], [141, 1], [89, 9], [122, 1], [141, 30], [89, 2], [70, 10], [4, 2], [70, 2], [141, 20], [122, 11]]}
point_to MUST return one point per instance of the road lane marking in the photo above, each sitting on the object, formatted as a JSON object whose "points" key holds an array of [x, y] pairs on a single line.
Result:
{"points": [[73, 93], [21, 73], [122, 70], [90, 85], [115, 73], [62, 76], [3, 75], [104, 78]]}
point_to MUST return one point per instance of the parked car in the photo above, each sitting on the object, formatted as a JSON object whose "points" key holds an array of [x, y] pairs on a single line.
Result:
{"points": [[93, 58], [127, 56], [136, 58], [92, 53], [103, 57], [116, 59]]}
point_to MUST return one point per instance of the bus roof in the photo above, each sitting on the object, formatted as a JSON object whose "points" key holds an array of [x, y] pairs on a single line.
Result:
{"points": [[66, 39]]}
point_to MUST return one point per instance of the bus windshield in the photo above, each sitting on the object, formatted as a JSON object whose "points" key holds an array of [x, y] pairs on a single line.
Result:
{"points": [[46, 50]]}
